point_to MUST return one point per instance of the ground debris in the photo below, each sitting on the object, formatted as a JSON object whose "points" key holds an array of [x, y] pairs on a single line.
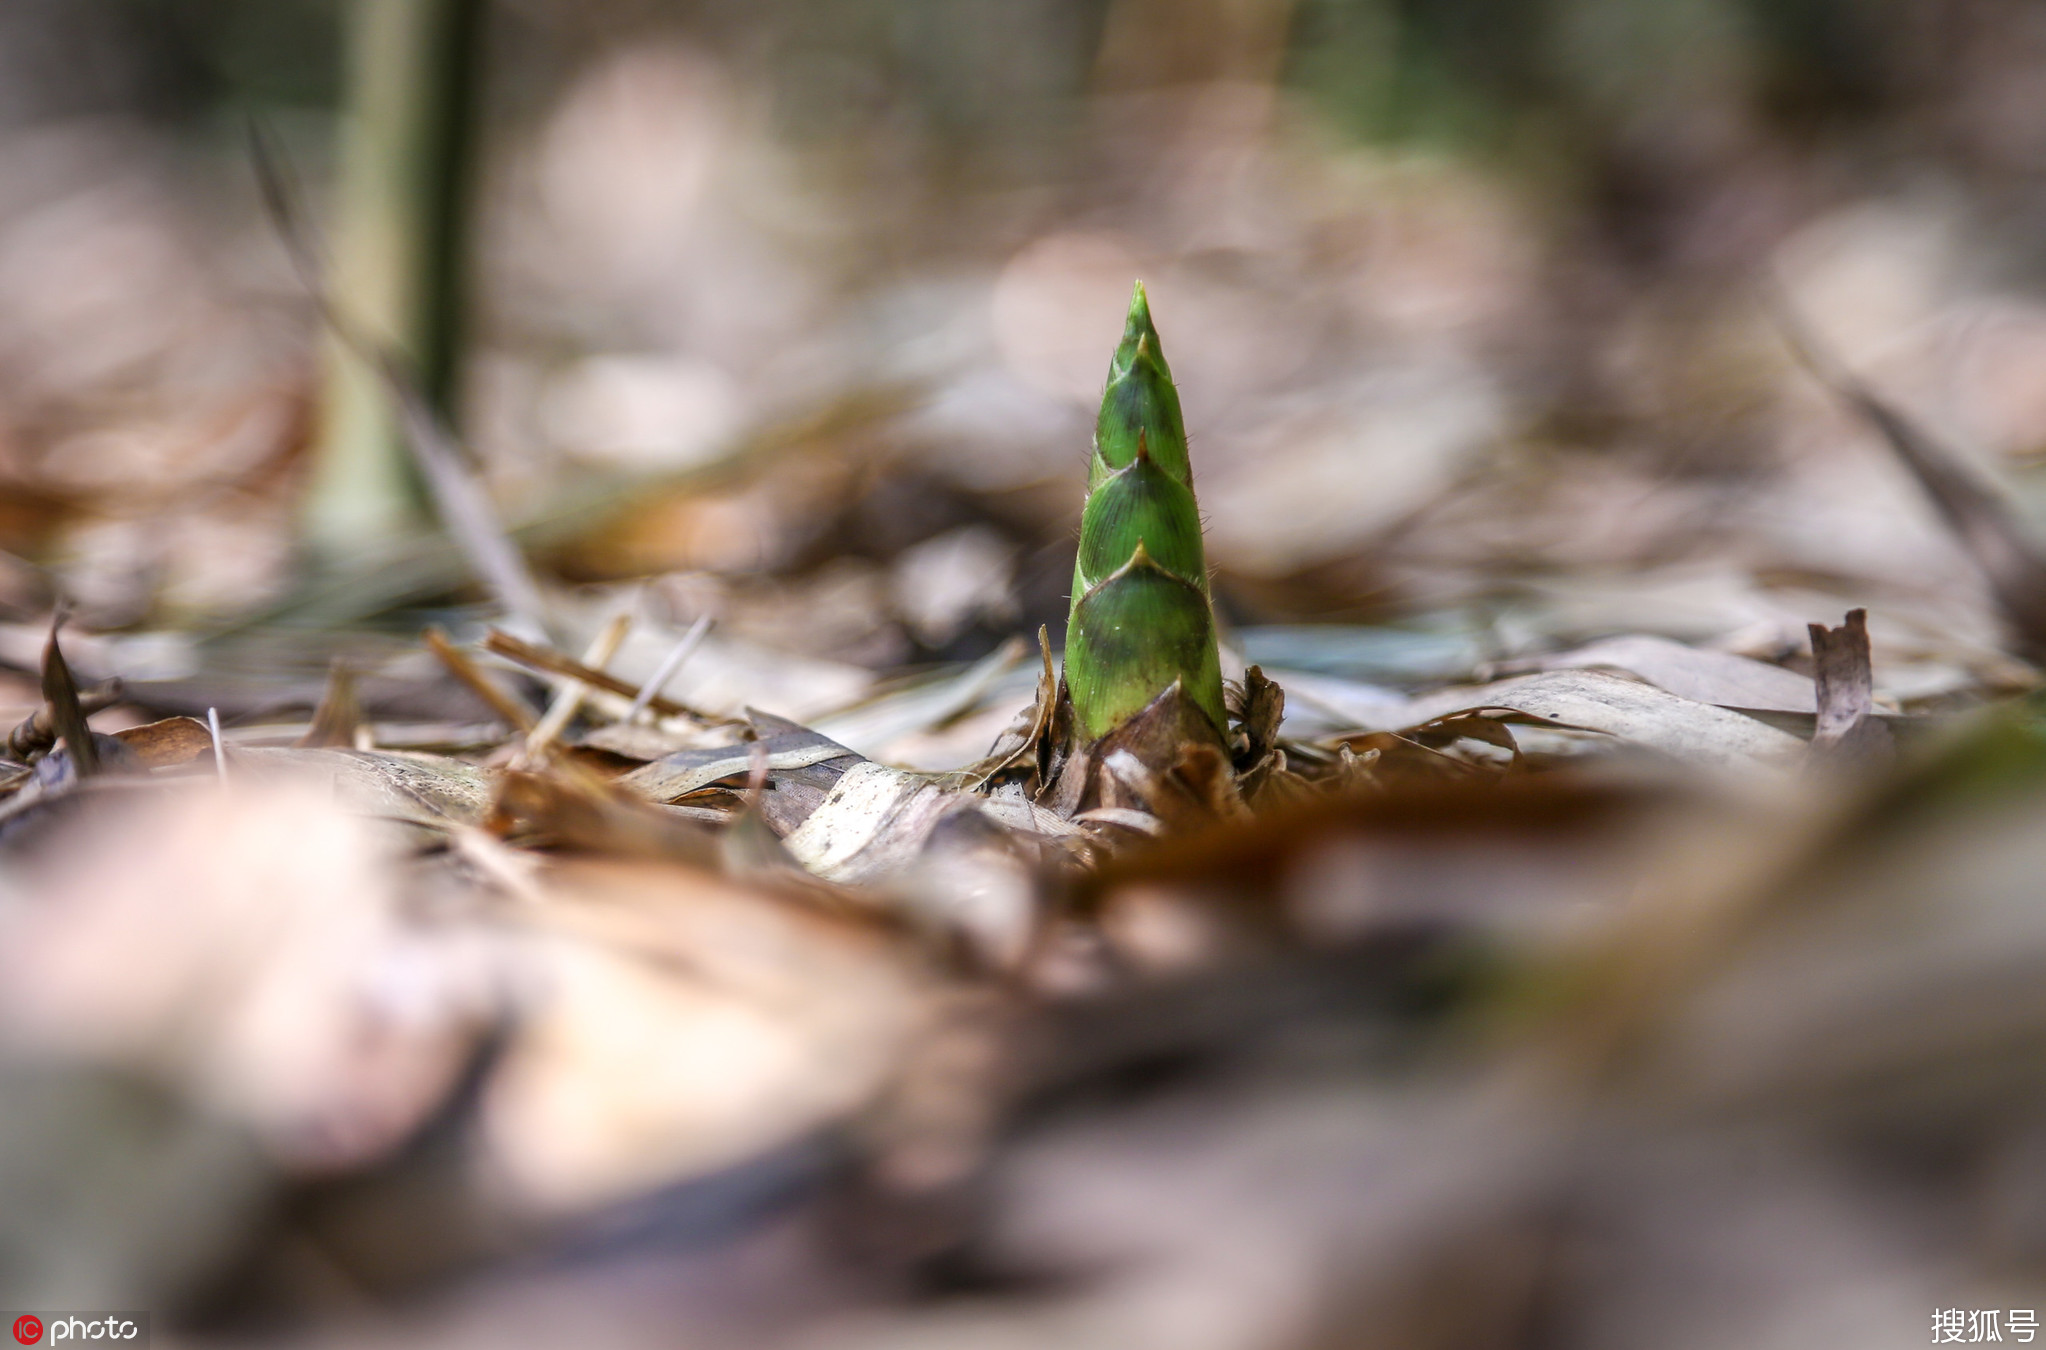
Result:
{"points": [[1849, 732]]}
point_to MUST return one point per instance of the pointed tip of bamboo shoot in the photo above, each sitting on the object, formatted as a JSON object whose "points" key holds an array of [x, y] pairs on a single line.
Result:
{"points": [[1139, 335], [1139, 320], [1139, 400]]}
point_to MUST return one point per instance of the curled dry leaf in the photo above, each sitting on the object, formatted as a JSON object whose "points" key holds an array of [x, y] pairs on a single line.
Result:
{"points": [[1258, 705], [67, 715], [1434, 749]]}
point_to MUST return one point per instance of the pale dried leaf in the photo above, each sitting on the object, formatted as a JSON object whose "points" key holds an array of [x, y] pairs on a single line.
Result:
{"points": [[427, 789], [874, 823], [1679, 727], [676, 776], [1695, 673], [1011, 805]]}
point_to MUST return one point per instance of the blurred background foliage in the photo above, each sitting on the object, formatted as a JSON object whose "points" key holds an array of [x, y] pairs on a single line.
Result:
{"points": [[1461, 292]]}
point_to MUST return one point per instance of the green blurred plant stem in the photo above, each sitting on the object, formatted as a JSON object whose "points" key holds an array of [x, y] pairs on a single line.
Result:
{"points": [[399, 209]]}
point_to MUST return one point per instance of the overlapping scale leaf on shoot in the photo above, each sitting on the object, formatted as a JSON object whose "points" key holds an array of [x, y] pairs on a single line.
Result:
{"points": [[1141, 618]]}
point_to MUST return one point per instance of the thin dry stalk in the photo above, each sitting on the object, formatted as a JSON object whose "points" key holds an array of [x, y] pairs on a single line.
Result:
{"points": [[542, 659], [458, 664], [219, 746], [670, 663], [568, 699]]}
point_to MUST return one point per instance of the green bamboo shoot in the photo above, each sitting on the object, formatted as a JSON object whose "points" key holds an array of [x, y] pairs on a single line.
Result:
{"points": [[1141, 619]]}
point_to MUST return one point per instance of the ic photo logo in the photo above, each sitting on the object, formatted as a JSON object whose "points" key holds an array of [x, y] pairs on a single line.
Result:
{"points": [[127, 1329]]}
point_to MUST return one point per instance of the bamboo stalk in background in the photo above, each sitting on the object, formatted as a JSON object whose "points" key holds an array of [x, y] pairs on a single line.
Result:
{"points": [[399, 207]]}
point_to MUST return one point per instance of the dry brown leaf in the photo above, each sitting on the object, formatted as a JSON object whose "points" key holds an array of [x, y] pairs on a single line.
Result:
{"points": [[172, 741]]}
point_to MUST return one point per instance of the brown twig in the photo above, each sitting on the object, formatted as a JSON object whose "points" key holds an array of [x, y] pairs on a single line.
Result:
{"points": [[34, 736], [503, 644], [569, 699], [462, 668]]}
